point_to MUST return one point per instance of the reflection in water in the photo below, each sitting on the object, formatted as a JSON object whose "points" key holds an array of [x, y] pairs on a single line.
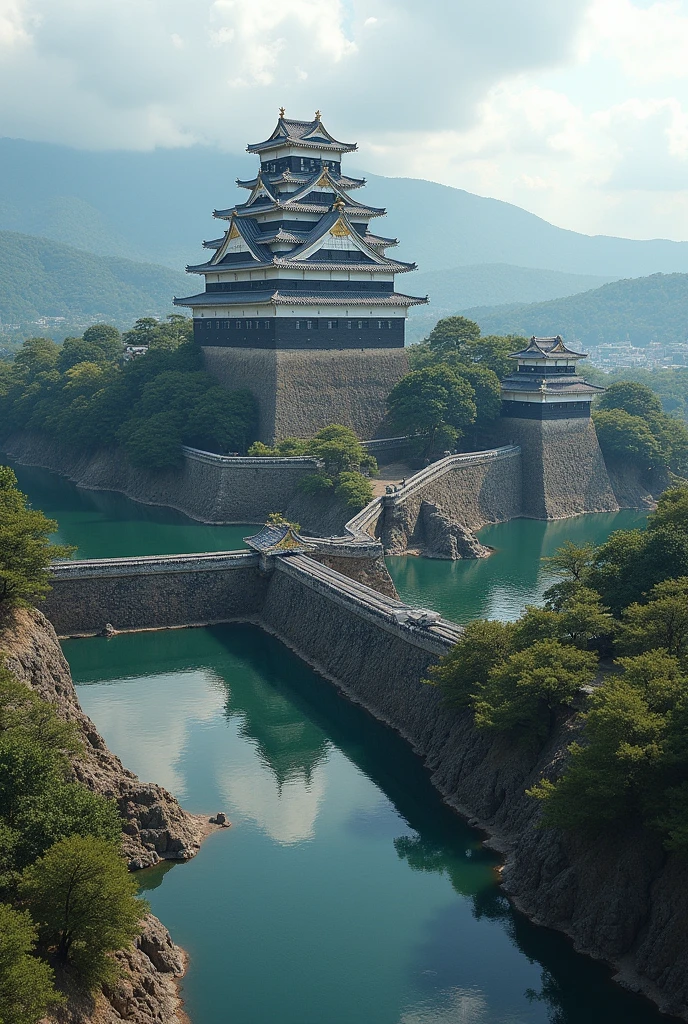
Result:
{"points": [[500, 586], [346, 890]]}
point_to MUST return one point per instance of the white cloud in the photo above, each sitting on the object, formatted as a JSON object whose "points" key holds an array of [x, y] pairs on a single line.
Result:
{"points": [[576, 111]]}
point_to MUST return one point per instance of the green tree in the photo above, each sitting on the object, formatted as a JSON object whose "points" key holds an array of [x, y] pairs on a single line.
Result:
{"points": [[26, 550], [623, 436], [354, 489], [37, 355], [107, 338], [144, 332], [26, 983], [635, 399], [153, 442], [523, 692], [77, 350], [84, 901], [615, 776], [434, 405], [461, 672], [662, 622], [583, 619], [453, 333]]}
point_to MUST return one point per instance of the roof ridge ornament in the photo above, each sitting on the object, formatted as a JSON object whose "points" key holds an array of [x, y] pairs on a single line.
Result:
{"points": [[282, 112], [338, 204], [318, 115]]}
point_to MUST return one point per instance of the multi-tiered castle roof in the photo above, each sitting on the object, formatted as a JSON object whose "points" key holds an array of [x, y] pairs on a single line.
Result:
{"points": [[301, 246], [546, 382]]}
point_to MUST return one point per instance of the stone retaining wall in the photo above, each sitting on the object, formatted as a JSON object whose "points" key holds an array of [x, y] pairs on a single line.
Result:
{"points": [[153, 593], [206, 487]]}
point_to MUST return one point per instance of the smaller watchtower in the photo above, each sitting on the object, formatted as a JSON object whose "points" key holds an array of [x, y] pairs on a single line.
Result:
{"points": [[546, 410]]}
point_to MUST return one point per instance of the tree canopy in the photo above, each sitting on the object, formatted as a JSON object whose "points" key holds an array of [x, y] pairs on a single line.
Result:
{"points": [[82, 393], [26, 549]]}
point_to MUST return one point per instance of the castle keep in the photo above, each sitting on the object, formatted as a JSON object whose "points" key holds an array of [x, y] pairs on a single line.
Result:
{"points": [[300, 302]]}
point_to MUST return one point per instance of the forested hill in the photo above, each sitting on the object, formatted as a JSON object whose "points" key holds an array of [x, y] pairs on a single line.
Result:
{"points": [[157, 206], [643, 309], [39, 277]]}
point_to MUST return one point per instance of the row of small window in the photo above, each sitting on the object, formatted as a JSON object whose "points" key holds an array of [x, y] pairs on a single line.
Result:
{"points": [[301, 325], [333, 325]]}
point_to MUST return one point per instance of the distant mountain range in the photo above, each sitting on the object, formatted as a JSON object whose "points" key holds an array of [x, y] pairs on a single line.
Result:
{"points": [[487, 284], [644, 309], [157, 207], [42, 278]]}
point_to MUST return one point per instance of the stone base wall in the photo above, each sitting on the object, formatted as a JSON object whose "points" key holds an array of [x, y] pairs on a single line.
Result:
{"points": [[298, 392], [564, 472]]}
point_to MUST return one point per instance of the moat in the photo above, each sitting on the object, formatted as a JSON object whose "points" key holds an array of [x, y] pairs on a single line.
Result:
{"points": [[345, 891]]}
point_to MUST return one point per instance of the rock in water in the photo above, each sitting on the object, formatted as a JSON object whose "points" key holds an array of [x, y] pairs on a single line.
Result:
{"points": [[442, 537]]}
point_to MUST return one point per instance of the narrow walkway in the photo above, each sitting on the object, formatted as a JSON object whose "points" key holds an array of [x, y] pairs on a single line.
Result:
{"points": [[390, 476]]}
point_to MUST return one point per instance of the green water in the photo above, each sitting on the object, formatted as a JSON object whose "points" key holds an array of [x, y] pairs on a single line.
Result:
{"points": [[345, 892], [104, 524], [500, 586]]}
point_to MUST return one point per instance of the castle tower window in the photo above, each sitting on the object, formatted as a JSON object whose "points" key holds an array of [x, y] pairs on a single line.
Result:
{"points": [[297, 325]]}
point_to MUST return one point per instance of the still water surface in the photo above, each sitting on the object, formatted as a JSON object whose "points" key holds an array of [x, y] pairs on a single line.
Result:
{"points": [[346, 892], [500, 586], [104, 524]]}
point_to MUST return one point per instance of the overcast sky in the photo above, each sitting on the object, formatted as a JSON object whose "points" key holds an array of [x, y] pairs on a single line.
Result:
{"points": [[574, 109]]}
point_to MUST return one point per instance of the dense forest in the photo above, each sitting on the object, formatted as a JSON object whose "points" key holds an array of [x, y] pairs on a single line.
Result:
{"points": [[43, 278], [82, 392], [639, 310], [612, 642]]}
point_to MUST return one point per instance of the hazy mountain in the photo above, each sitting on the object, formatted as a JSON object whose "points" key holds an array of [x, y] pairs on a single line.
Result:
{"points": [[157, 207], [487, 284], [643, 309], [42, 278]]}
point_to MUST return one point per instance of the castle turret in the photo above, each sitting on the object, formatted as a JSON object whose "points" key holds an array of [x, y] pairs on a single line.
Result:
{"points": [[546, 410], [300, 301]]}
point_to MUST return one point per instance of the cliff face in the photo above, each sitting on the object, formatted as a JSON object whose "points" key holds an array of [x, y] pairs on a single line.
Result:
{"points": [[156, 826]]}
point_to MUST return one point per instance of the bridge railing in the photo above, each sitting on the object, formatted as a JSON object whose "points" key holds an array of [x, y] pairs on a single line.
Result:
{"points": [[296, 462], [147, 565], [442, 466]]}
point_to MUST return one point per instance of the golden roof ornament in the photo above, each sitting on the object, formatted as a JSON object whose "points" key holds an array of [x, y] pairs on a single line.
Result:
{"points": [[318, 115], [282, 111], [338, 204]]}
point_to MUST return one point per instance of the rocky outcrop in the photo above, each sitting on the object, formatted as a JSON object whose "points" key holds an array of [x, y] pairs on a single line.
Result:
{"points": [[146, 992], [156, 828], [442, 537]]}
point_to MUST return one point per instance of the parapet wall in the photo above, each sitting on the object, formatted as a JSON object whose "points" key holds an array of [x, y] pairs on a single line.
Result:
{"points": [[471, 489]]}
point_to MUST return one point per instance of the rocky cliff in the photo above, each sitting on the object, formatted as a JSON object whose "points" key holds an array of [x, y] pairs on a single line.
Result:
{"points": [[156, 827]]}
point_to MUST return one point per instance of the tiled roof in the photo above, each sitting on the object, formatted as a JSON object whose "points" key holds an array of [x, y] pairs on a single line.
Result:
{"points": [[548, 386], [298, 178], [546, 348], [300, 134], [285, 298]]}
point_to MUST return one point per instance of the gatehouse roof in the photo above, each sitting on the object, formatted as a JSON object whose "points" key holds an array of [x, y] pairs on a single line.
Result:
{"points": [[278, 539]]}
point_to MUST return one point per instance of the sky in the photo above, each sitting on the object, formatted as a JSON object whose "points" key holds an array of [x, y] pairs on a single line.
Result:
{"points": [[576, 110]]}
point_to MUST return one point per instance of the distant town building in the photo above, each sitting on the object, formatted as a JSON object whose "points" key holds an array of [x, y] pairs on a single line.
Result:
{"points": [[298, 270]]}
